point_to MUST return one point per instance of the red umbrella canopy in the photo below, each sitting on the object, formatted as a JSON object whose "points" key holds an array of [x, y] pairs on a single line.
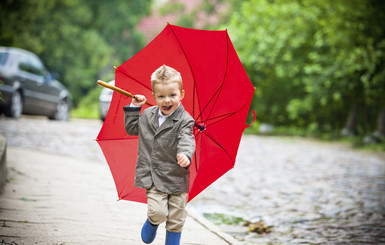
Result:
{"points": [[218, 94]]}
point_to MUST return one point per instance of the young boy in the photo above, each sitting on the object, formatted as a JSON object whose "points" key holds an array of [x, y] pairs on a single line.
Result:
{"points": [[166, 147]]}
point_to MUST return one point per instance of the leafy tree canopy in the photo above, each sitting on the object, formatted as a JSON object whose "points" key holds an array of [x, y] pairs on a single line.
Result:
{"points": [[312, 61], [79, 39]]}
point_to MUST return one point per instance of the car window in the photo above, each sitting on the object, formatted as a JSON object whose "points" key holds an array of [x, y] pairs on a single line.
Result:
{"points": [[3, 57], [31, 64], [36, 66], [23, 63]]}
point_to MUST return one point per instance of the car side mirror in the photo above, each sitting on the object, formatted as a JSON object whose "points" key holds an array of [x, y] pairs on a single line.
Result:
{"points": [[54, 75]]}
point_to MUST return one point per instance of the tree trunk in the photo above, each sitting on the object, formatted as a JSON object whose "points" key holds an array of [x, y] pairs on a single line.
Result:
{"points": [[381, 122], [351, 122]]}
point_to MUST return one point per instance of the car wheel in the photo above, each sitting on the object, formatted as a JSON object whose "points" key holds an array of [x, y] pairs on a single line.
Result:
{"points": [[15, 107], [62, 111]]}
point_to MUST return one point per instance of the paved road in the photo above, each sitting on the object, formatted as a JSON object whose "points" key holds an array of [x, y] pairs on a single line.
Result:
{"points": [[60, 191], [309, 192]]}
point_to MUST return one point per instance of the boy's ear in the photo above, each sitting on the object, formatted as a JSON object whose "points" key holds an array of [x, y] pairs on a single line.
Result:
{"points": [[181, 94]]}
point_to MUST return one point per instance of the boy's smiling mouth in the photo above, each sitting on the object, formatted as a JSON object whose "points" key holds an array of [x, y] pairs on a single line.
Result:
{"points": [[166, 108]]}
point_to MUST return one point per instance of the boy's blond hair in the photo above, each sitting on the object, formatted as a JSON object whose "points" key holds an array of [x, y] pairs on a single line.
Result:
{"points": [[166, 74]]}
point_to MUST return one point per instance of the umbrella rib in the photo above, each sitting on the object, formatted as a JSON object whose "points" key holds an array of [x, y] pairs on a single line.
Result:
{"points": [[214, 96], [218, 92], [198, 155], [192, 73], [222, 117], [216, 142], [219, 118], [125, 73]]}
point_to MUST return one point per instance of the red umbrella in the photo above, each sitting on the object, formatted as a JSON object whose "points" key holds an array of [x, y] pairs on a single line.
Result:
{"points": [[218, 96]]}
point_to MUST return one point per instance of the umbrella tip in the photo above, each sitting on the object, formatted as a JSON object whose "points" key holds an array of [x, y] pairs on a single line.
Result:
{"points": [[116, 68]]}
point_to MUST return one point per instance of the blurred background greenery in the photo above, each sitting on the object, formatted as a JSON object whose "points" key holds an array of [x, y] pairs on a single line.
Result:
{"points": [[318, 66]]}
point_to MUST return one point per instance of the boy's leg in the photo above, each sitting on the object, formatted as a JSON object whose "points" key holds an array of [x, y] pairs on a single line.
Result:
{"points": [[157, 206], [177, 212], [156, 214]]}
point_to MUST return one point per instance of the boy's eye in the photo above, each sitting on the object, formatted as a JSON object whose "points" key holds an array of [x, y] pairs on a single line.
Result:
{"points": [[173, 95], [160, 96]]}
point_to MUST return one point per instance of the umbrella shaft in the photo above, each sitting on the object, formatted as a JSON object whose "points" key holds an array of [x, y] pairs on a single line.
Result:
{"points": [[119, 90]]}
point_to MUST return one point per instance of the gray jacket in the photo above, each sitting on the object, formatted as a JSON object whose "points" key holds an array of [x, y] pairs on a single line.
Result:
{"points": [[158, 147]]}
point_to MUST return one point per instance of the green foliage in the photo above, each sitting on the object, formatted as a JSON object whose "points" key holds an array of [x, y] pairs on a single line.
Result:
{"points": [[88, 105], [171, 8], [79, 39], [371, 147], [186, 21], [311, 61]]}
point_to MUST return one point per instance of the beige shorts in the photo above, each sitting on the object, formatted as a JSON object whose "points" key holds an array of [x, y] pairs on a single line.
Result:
{"points": [[167, 207]]}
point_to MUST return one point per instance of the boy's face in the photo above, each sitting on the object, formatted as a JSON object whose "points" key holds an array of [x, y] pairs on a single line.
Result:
{"points": [[167, 96]]}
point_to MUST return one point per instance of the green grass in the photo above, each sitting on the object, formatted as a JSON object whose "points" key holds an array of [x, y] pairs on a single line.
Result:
{"points": [[332, 136], [218, 218], [88, 107], [86, 112]]}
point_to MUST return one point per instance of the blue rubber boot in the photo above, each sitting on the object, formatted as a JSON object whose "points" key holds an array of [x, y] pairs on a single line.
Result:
{"points": [[148, 232], [173, 238]]}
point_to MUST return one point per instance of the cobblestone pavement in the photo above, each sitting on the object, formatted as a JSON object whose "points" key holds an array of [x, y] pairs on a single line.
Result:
{"points": [[309, 192]]}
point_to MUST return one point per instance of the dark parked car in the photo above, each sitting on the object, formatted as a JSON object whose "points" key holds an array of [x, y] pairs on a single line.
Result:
{"points": [[27, 87]]}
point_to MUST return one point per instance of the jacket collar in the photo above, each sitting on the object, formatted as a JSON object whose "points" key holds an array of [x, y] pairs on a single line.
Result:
{"points": [[175, 116]]}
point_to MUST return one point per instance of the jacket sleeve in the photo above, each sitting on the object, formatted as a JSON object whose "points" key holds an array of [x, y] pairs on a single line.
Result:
{"points": [[186, 139], [131, 119]]}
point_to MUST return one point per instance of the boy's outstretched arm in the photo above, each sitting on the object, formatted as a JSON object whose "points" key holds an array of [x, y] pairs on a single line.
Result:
{"points": [[131, 114]]}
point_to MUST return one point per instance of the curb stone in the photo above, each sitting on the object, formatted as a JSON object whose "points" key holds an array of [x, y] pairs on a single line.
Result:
{"points": [[3, 161], [213, 228]]}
